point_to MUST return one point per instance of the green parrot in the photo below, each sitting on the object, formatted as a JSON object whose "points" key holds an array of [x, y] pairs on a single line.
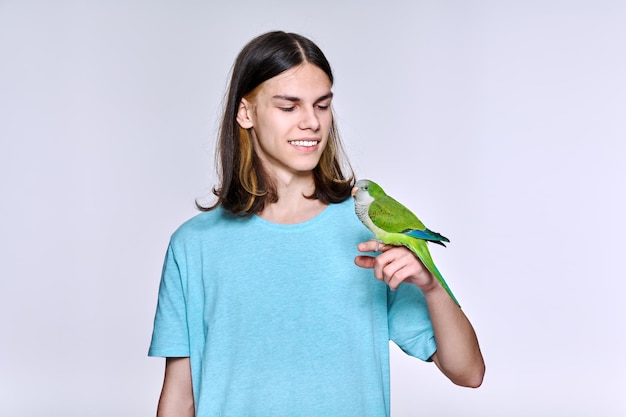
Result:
{"points": [[394, 224]]}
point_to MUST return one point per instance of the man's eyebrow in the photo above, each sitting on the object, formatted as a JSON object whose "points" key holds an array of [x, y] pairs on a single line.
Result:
{"points": [[298, 99], [325, 97], [287, 98]]}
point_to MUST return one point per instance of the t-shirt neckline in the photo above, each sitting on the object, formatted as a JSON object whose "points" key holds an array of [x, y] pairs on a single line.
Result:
{"points": [[293, 226]]}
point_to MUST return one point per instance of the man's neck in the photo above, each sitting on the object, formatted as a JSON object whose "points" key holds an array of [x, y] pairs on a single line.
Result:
{"points": [[292, 205]]}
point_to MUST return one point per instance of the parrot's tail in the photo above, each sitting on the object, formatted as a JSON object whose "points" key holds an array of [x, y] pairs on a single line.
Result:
{"points": [[421, 250], [444, 285]]}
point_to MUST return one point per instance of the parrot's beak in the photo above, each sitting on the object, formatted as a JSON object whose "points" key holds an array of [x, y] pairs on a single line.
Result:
{"points": [[354, 190]]}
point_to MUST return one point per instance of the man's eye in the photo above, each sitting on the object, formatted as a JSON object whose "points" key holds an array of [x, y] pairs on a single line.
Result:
{"points": [[287, 109], [323, 106]]}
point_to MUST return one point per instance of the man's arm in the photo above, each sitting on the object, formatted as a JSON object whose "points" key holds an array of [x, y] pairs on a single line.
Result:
{"points": [[177, 394], [458, 355]]}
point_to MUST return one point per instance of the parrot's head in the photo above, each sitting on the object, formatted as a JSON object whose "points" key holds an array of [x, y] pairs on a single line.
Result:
{"points": [[366, 191]]}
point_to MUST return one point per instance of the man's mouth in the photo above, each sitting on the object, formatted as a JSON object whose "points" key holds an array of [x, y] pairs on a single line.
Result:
{"points": [[305, 143]]}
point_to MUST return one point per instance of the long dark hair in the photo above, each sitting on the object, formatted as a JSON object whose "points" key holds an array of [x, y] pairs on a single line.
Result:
{"points": [[245, 187]]}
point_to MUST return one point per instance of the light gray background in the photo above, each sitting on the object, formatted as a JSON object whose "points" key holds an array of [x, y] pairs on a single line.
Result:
{"points": [[501, 123]]}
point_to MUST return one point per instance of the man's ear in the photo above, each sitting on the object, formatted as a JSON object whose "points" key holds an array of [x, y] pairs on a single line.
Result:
{"points": [[244, 114]]}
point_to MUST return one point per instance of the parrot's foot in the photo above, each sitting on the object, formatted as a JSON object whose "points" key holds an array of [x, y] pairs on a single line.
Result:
{"points": [[378, 242]]}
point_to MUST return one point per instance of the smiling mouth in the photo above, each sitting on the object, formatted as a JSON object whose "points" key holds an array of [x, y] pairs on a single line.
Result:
{"points": [[305, 143]]}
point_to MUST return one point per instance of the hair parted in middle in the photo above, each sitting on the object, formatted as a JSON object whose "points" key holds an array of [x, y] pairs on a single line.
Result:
{"points": [[245, 186]]}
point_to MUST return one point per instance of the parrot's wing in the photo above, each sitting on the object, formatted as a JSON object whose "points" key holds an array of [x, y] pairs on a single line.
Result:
{"points": [[393, 217], [427, 234]]}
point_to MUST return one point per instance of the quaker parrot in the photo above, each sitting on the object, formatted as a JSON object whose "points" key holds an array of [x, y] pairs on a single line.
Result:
{"points": [[394, 224]]}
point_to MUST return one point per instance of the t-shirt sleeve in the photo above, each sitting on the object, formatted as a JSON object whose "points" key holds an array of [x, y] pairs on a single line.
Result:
{"points": [[409, 322], [170, 336]]}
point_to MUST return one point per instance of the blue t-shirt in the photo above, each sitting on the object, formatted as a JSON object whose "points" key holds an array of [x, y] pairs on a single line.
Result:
{"points": [[278, 320]]}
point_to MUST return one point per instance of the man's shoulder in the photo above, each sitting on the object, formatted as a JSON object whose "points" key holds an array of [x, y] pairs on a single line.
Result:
{"points": [[201, 224]]}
